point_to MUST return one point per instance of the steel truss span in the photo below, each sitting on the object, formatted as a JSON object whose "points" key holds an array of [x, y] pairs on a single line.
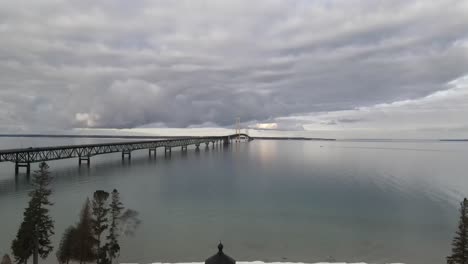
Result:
{"points": [[23, 157]]}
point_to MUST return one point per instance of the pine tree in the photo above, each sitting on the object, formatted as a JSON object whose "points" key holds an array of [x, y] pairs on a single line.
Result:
{"points": [[22, 246], [65, 250], [116, 207], [460, 241], [83, 242], [100, 211], [33, 237]]}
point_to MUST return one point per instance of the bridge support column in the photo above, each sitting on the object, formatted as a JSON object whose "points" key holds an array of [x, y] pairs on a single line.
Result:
{"points": [[87, 159], [26, 165], [167, 151], [126, 153], [197, 146], [183, 148], [151, 151], [207, 144]]}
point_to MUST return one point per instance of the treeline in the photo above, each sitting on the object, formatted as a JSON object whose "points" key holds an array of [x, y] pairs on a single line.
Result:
{"points": [[85, 241], [94, 238]]}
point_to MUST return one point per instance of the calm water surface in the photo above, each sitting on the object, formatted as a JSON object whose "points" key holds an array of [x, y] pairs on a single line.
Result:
{"points": [[303, 201]]}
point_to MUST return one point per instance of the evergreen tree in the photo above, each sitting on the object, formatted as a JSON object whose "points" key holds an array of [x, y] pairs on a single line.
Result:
{"points": [[65, 250], [33, 237], [460, 241], [83, 243], [116, 207], [22, 246], [100, 211]]}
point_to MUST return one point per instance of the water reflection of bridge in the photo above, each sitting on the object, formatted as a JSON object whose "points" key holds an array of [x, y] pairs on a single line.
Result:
{"points": [[25, 156]]}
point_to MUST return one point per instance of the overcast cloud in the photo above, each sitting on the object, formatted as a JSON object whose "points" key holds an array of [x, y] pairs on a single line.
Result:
{"points": [[314, 65]]}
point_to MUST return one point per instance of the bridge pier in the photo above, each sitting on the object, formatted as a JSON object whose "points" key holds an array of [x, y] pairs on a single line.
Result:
{"points": [[152, 150], [167, 151], [127, 153], [183, 148], [197, 146], [80, 159], [26, 165]]}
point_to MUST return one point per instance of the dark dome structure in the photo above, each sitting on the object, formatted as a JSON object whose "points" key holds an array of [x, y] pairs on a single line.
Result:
{"points": [[220, 257]]}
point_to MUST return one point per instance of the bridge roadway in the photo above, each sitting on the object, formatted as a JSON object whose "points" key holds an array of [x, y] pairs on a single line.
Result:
{"points": [[25, 156]]}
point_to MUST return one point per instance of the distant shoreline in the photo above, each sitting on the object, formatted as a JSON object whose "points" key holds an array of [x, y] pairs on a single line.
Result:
{"points": [[148, 137]]}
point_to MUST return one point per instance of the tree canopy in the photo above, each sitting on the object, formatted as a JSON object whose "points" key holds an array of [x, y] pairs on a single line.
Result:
{"points": [[460, 241], [33, 236]]}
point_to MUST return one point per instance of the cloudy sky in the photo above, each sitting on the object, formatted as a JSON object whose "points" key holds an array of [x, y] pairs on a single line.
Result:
{"points": [[327, 66]]}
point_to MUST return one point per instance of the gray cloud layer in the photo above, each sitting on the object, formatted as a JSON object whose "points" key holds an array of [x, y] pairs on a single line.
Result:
{"points": [[117, 63]]}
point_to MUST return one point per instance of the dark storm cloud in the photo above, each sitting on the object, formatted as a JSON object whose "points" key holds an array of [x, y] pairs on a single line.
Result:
{"points": [[192, 63]]}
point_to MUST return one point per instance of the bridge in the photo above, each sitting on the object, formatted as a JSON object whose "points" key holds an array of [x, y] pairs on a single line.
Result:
{"points": [[25, 156]]}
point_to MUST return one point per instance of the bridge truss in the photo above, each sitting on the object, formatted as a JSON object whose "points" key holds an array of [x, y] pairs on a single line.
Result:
{"points": [[24, 157]]}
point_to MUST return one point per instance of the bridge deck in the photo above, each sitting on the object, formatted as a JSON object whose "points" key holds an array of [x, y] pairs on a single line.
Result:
{"points": [[32, 149]]}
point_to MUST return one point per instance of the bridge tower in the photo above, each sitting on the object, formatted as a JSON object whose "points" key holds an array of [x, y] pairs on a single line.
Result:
{"points": [[238, 129]]}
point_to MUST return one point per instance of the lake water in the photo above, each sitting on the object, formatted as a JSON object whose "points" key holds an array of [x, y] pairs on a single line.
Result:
{"points": [[274, 201]]}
